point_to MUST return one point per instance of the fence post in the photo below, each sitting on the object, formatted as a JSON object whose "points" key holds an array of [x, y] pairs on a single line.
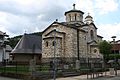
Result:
{"points": [[16, 67]]}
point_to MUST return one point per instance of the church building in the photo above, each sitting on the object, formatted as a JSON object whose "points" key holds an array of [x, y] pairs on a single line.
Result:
{"points": [[72, 39]]}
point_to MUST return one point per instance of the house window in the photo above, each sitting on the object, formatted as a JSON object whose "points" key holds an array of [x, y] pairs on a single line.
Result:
{"points": [[92, 34], [46, 43]]}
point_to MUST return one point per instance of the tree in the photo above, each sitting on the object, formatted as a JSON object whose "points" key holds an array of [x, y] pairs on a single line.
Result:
{"points": [[105, 49]]}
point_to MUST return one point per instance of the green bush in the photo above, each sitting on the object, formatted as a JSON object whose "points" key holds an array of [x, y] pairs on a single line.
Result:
{"points": [[113, 56]]}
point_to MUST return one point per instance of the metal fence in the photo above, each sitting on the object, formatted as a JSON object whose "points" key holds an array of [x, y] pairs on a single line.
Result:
{"points": [[86, 66]]}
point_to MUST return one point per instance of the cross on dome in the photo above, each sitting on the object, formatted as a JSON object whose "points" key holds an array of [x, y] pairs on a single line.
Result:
{"points": [[73, 6], [88, 14]]}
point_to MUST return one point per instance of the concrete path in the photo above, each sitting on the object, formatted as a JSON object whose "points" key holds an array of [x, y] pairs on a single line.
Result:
{"points": [[6, 78], [84, 77]]}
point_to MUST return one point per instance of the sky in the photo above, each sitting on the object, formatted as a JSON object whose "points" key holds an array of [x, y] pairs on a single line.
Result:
{"points": [[27, 16]]}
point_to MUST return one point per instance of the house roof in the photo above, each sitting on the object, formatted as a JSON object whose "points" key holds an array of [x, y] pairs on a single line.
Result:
{"points": [[3, 34], [8, 48], [55, 31], [99, 36], [66, 25], [115, 46], [29, 44], [90, 42], [52, 37]]}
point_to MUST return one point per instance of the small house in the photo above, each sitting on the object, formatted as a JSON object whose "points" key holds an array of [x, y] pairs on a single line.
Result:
{"points": [[29, 47]]}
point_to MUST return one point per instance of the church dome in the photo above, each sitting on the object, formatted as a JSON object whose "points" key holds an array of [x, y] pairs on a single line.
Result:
{"points": [[74, 16], [89, 19], [88, 16], [78, 11]]}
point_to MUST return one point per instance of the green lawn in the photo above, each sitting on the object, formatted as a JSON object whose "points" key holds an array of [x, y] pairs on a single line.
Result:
{"points": [[22, 69], [14, 69]]}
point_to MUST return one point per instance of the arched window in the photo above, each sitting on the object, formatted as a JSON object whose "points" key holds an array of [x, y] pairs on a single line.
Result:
{"points": [[95, 50], [92, 34], [53, 43], [70, 17], [46, 43], [75, 17]]}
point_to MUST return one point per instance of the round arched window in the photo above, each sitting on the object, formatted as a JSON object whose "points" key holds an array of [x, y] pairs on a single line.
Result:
{"points": [[92, 34], [95, 50], [46, 43], [53, 43]]}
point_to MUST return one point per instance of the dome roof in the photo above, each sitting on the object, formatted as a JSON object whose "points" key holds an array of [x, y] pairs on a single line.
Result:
{"points": [[88, 16], [74, 10]]}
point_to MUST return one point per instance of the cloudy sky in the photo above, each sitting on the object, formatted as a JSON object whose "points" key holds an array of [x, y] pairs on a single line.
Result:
{"points": [[20, 16]]}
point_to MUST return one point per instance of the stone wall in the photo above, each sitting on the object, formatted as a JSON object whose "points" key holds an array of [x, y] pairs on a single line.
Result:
{"points": [[68, 41], [82, 44], [49, 50]]}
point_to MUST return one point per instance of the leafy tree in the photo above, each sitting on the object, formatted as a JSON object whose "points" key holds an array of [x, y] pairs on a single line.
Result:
{"points": [[105, 49], [13, 41]]}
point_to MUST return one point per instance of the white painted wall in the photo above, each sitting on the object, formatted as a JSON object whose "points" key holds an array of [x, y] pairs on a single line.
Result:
{"points": [[1, 53], [6, 54]]}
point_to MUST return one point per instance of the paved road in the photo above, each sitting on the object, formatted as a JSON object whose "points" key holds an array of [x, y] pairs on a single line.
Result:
{"points": [[6, 78], [78, 78], [84, 77]]}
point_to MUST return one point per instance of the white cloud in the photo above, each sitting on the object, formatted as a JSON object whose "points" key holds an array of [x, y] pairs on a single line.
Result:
{"points": [[99, 6], [18, 16], [106, 6], [86, 6], [14, 24], [109, 30]]}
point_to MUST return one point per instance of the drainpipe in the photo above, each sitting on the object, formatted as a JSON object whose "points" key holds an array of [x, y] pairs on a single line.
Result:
{"points": [[78, 44]]}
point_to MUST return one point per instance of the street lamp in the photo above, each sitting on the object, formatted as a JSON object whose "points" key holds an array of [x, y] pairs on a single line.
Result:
{"points": [[113, 37]]}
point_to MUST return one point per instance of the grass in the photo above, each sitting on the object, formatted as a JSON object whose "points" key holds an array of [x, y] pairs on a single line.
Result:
{"points": [[22, 69], [15, 69]]}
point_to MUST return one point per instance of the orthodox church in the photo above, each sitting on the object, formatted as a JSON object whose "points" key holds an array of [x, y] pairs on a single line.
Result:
{"points": [[72, 39]]}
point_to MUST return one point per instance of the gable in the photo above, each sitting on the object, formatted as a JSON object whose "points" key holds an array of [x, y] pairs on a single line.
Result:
{"points": [[92, 42], [65, 25], [49, 26], [93, 25], [56, 32]]}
